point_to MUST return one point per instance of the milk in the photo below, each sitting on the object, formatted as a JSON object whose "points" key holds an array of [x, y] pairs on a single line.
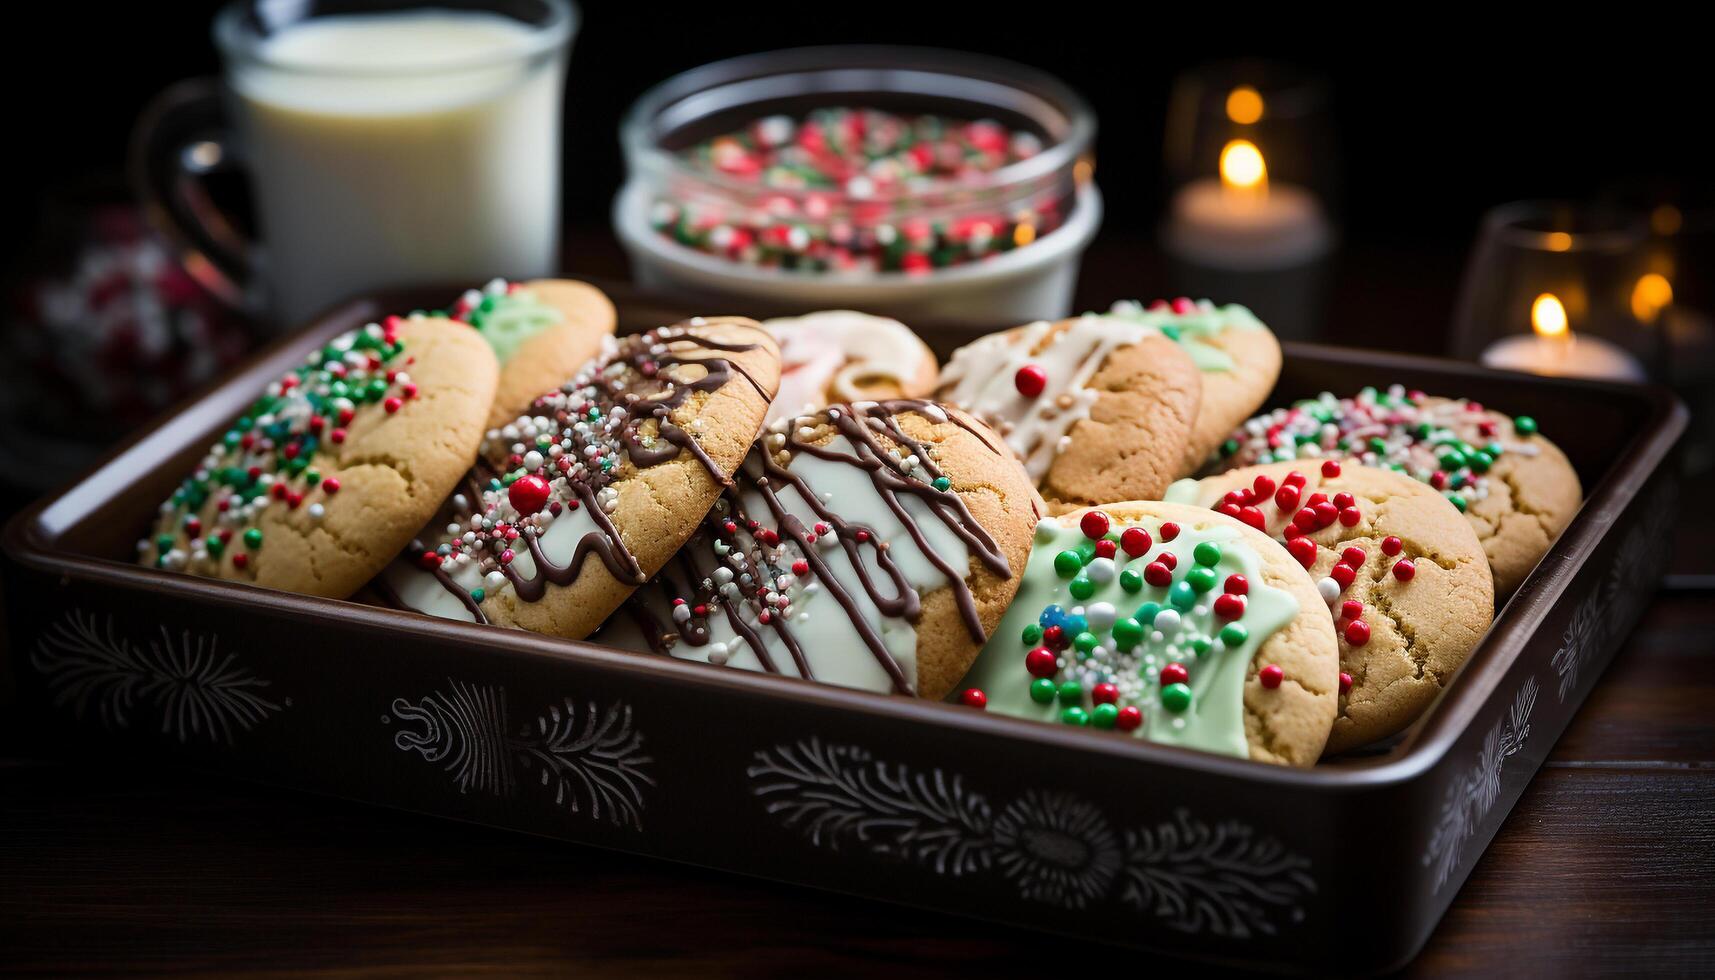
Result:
{"points": [[399, 148]]}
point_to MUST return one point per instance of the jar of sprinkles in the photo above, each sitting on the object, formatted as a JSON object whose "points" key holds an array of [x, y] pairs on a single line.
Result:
{"points": [[917, 183]]}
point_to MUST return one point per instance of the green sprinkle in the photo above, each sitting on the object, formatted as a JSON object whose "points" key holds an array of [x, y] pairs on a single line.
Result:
{"points": [[1234, 634], [1131, 581], [1176, 697], [214, 545], [1229, 447], [1207, 553], [1075, 716], [1104, 716], [1086, 552], [1201, 579], [1042, 690], [253, 538], [163, 542], [1070, 692], [1085, 642], [1524, 425], [1128, 633], [1452, 459], [1146, 612], [1181, 596], [1481, 461], [1032, 635], [942, 484], [1378, 445], [477, 594], [1200, 645], [1067, 564], [1457, 501], [1082, 588]]}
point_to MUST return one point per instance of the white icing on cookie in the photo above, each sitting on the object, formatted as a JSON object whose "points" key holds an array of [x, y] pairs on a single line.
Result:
{"points": [[981, 378], [825, 355]]}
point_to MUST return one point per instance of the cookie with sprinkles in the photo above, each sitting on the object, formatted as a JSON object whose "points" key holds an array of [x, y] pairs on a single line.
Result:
{"points": [[1400, 569], [836, 356], [336, 465], [542, 332], [1518, 490], [871, 545], [580, 500], [1166, 622], [1238, 355], [1099, 408]]}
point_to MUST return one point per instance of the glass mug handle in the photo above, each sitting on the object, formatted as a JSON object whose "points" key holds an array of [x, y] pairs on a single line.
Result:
{"points": [[183, 136]]}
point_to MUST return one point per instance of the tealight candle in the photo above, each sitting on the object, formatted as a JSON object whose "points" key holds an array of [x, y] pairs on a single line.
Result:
{"points": [[1242, 221], [1552, 349]]}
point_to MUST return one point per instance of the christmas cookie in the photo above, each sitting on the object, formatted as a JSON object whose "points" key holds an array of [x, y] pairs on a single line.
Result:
{"points": [[1099, 408], [1171, 623], [336, 465], [1238, 355], [1400, 569], [871, 545], [841, 356], [542, 332], [576, 503], [1516, 488]]}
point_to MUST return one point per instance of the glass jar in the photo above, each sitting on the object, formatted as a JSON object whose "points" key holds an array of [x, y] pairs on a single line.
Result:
{"points": [[999, 245]]}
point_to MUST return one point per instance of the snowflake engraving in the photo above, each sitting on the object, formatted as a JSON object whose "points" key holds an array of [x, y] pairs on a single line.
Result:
{"points": [[183, 680], [1054, 848], [591, 759], [1471, 796]]}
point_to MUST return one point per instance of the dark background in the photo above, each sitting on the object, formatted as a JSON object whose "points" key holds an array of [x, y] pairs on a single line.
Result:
{"points": [[1437, 117]]}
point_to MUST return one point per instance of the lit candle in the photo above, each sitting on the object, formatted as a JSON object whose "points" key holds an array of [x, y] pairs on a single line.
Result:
{"points": [[1552, 349], [1241, 220]]}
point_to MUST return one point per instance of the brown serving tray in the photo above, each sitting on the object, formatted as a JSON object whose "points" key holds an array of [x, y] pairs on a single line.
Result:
{"points": [[1343, 867]]}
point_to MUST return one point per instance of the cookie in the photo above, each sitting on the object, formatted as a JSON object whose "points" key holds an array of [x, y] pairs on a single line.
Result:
{"points": [[1401, 570], [841, 356], [1099, 408], [872, 545], [578, 502], [1171, 623], [1238, 355], [1516, 488], [337, 464], [542, 332]]}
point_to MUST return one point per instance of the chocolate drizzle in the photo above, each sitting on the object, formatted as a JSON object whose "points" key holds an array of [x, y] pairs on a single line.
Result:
{"points": [[647, 393], [868, 429]]}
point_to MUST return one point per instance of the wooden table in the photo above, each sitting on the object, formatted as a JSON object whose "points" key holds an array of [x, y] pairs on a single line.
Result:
{"points": [[1608, 862]]}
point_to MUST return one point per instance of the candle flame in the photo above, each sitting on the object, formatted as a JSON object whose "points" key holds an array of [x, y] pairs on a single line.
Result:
{"points": [[1244, 105], [1242, 167], [1548, 316], [1559, 241], [1650, 296]]}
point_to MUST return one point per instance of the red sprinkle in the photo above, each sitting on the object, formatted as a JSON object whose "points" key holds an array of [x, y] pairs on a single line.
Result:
{"points": [[330, 486], [430, 560], [1345, 682], [1286, 498], [1391, 546], [1304, 550], [1237, 585], [1174, 673], [1104, 694], [1330, 468], [1040, 662], [1263, 486], [529, 494], [1357, 632], [1157, 574], [1295, 479], [1129, 719], [1229, 606], [1169, 531], [1135, 541], [392, 404], [1106, 548], [1094, 525], [1054, 637], [1271, 676], [1169, 559], [1031, 380], [1404, 569], [240, 560], [1351, 609], [1349, 517], [1343, 574], [1254, 517], [973, 698], [1353, 556]]}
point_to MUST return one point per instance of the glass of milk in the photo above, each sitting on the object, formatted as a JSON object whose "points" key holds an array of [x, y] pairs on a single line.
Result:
{"points": [[387, 144]]}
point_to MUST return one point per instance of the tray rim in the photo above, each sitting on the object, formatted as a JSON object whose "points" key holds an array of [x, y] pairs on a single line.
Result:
{"points": [[30, 539]]}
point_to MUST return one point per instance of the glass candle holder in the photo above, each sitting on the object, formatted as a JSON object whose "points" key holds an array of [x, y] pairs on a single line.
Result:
{"points": [[737, 190], [1550, 289], [1250, 168]]}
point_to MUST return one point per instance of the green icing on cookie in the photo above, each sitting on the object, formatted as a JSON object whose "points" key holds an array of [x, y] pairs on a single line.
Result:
{"points": [[507, 318], [1160, 653], [1193, 328]]}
